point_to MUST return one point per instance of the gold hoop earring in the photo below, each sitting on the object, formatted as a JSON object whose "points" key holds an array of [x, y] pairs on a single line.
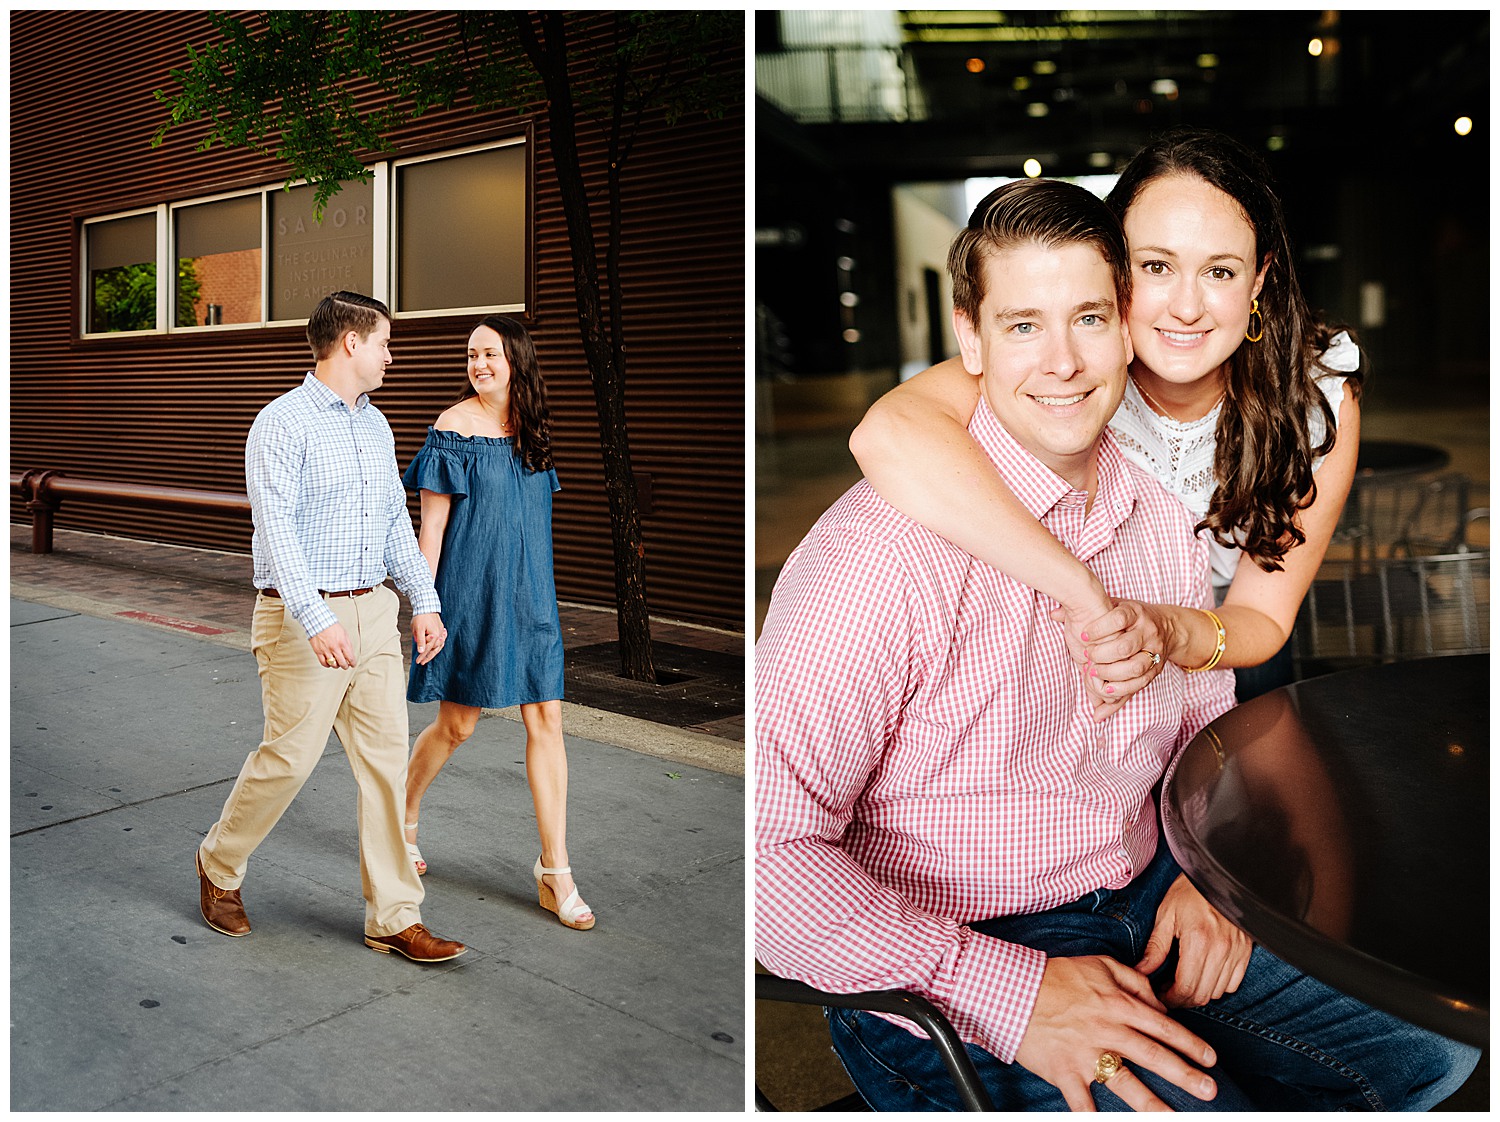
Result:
{"points": [[1260, 324]]}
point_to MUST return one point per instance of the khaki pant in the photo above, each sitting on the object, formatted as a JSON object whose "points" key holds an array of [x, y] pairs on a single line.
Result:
{"points": [[303, 700]]}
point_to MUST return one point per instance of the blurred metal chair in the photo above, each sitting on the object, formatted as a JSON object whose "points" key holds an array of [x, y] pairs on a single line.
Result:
{"points": [[769, 987], [1407, 516], [1387, 609]]}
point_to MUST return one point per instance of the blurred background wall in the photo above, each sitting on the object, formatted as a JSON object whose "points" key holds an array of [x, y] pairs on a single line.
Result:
{"points": [[877, 130]]}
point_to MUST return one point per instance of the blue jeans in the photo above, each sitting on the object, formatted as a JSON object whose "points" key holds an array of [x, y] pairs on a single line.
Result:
{"points": [[1284, 1041]]}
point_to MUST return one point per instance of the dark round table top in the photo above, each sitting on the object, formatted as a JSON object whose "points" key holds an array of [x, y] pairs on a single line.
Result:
{"points": [[1343, 822], [1398, 457]]}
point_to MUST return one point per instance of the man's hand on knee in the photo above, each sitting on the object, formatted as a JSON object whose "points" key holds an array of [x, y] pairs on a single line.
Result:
{"points": [[1091, 1005], [331, 647], [1213, 953]]}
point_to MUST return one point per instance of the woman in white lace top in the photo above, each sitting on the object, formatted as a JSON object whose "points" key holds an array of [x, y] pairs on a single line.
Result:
{"points": [[1237, 396]]}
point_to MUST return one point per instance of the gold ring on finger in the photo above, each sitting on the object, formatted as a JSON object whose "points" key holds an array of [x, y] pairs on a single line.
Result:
{"points": [[1107, 1067], [1155, 658], [332, 661]]}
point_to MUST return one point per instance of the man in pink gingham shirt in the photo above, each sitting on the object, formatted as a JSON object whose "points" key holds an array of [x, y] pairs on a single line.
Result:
{"points": [[938, 810], [926, 754]]}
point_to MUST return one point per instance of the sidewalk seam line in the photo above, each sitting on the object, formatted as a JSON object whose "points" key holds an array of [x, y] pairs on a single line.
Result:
{"points": [[122, 806]]}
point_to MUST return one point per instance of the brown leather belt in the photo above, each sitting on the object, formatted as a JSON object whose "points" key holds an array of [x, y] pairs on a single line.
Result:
{"points": [[351, 592]]}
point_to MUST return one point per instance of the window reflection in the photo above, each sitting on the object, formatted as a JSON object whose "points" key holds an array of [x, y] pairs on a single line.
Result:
{"points": [[121, 256], [218, 262]]}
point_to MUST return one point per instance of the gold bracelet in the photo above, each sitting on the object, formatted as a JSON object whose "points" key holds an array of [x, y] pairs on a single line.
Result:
{"points": [[1218, 649]]}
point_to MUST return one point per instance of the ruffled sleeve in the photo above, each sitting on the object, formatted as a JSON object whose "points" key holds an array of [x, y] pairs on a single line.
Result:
{"points": [[1342, 355], [438, 469]]}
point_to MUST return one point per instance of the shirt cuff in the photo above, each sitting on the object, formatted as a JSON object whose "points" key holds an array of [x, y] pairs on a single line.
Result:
{"points": [[991, 992], [314, 617], [426, 601]]}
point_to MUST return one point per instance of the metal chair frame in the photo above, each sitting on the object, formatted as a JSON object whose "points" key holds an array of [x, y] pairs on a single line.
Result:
{"points": [[1407, 516], [971, 1091], [1394, 608]]}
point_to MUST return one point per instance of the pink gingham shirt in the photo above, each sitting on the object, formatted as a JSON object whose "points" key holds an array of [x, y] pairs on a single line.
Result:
{"points": [[925, 755]]}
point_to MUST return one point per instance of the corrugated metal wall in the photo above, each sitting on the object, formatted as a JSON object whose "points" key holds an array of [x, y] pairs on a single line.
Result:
{"points": [[175, 409]]}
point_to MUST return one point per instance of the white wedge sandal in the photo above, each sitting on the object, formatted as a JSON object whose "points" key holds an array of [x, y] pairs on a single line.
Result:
{"points": [[571, 908], [413, 852]]}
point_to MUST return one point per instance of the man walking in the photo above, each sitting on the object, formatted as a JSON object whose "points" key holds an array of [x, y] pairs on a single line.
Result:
{"points": [[331, 524]]}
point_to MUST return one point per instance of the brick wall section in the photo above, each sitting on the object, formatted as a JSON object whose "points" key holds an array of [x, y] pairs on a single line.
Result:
{"points": [[231, 280]]}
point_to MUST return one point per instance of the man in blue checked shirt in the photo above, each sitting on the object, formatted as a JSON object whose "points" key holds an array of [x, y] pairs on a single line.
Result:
{"points": [[331, 524]]}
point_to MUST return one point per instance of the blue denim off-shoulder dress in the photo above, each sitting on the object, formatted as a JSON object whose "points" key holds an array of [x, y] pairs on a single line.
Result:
{"points": [[494, 576]]}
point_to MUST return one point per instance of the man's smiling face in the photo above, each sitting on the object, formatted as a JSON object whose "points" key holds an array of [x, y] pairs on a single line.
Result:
{"points": [[1052, 348]]}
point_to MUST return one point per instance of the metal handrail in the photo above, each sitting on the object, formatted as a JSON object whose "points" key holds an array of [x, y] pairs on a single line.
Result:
{"points": [[43, 492]]}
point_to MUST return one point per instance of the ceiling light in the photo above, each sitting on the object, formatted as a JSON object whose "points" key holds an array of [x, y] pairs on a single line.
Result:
{"points": [[1044, 66], [1032, 168], [1463, 126], [974, 66], [1100, 159], [1315, 47], [1037, 109], [1207, 62]]}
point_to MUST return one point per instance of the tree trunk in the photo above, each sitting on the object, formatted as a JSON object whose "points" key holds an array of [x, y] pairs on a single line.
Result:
{"points": [[606, 363]]}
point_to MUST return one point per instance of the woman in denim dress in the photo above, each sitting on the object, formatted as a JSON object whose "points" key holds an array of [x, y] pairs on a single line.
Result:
{"points": [[486, 479]]}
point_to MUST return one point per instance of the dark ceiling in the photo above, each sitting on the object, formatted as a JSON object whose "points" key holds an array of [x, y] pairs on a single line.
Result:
{"points": [[1387, 85]]}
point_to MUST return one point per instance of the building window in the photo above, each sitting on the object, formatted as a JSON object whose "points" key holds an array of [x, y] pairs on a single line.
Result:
{"points": [[120, 274], [311, 259], [460, 231], [432, 235], [218, 252]]}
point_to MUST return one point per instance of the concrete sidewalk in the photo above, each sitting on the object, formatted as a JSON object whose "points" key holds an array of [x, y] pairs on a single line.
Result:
{"points": [[126, 738]]}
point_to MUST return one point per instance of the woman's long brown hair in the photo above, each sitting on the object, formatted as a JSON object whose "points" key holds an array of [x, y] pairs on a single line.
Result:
{"points": [[1264, 454], [529, 417]]}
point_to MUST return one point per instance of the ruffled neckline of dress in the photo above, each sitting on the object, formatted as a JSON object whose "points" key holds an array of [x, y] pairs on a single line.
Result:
{"points": [[446, 436]]}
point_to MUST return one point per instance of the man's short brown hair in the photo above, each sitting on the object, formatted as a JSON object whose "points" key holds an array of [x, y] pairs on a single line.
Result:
{"points": [[1043, 212], [339, 312]]}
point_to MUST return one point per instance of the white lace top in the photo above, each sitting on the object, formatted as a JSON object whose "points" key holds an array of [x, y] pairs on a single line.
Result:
{"points": [[1181, 454]]}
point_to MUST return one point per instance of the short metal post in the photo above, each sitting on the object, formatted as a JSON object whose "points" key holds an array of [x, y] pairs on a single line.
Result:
{"points": [[41, 526], [42, 507]]}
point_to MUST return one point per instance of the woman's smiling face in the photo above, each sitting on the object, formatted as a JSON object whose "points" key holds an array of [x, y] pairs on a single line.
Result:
{"points": [[488, 369], [1194, 273]]}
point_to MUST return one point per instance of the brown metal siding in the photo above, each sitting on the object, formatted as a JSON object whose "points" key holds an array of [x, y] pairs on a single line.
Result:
{"points": [[175, 408]]}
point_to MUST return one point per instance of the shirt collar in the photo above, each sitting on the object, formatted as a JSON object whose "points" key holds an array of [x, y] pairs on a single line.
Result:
{"points": [[1037, 486], [326, 398]]}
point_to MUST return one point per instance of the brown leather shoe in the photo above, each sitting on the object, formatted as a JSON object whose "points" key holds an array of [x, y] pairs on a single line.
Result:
{"points": [[221, 907], [417, 944]]}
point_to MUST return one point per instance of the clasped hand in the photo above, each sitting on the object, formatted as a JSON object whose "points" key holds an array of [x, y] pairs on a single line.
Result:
{"points": [[1114, 650], [428, 636]]}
